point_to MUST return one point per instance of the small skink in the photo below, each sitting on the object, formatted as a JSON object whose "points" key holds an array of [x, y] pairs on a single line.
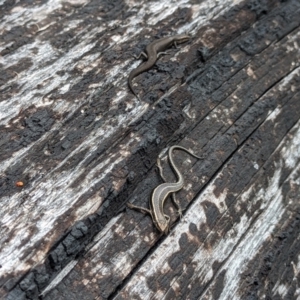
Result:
{"points": [[161, 192], [153, 51]]}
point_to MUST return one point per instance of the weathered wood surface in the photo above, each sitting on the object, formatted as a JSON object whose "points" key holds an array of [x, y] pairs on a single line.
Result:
{"points": [[84, 145]]}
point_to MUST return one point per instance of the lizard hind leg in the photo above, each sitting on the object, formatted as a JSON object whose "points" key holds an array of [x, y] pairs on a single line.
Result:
{"points": [[159, 54], [143, 54], [168, 220], [177, 204], [140, 209]]}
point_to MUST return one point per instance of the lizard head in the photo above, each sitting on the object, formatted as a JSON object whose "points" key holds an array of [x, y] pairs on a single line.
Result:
{"points": [[163, 224], [182, 38]]}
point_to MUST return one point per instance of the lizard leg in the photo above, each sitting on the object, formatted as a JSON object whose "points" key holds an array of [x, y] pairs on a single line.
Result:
{"points": [[168, 220], [140, 209], [163, 53], [141, 54], [167, 217], [177, 204]]}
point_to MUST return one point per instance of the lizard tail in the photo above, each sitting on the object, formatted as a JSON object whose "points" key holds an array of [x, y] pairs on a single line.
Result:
{"points": [[131, 87], [175, 169]]}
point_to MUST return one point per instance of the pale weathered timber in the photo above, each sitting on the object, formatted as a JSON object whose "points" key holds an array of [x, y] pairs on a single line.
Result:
{"points": [[84, 146]]}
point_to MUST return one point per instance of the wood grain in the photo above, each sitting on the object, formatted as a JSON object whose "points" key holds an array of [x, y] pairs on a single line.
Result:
{"points": [[83, 146]]}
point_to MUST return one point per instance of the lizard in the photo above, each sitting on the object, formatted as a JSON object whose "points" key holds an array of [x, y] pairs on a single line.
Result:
{"points": [[162, 191], [153, 51]]}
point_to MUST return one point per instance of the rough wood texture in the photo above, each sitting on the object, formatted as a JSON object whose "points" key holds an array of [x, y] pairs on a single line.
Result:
{"points": [[84, 146]]}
